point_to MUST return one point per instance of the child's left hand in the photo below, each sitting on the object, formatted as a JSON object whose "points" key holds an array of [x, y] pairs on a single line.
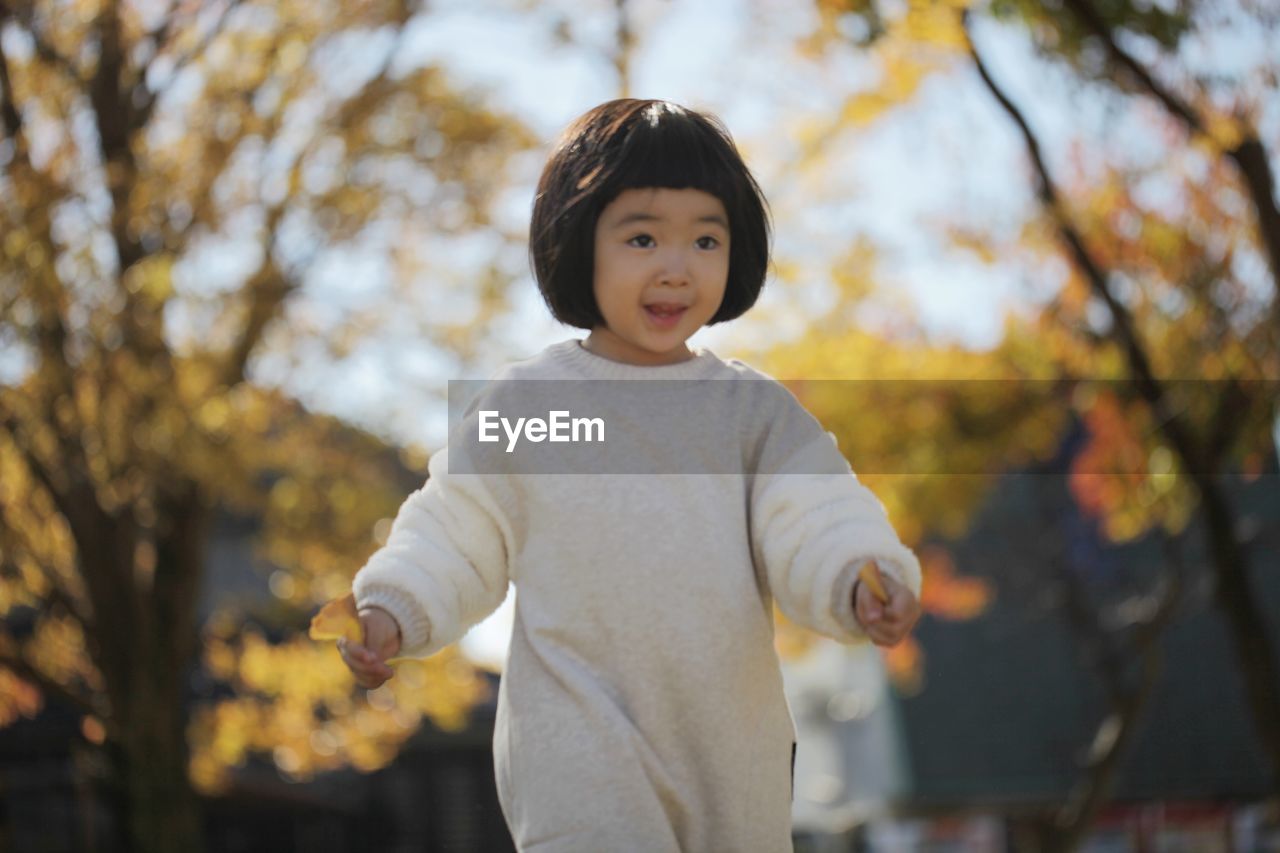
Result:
{"points": [[887, 622]]}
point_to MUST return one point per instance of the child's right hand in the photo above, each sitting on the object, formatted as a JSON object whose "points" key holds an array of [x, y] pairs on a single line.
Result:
{"points": [[381, 642], [886, 621]]}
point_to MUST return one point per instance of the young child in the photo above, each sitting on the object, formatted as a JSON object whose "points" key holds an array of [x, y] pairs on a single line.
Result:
{"points": [[641, 707]]}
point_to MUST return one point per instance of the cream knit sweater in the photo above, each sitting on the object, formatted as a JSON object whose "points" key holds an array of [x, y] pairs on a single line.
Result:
{"points": [[641, 708]]}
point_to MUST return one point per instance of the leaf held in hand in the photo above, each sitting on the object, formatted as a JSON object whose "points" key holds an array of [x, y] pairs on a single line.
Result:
{"points": [[870, 575], [336, 620], [339, 618]]}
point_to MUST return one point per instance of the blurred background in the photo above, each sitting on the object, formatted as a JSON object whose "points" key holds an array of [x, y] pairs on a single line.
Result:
{"points": [[1026, 271]]}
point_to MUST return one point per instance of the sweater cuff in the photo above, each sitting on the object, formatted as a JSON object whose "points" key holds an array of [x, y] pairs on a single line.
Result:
{"points": [[842, 605], [415, 626]]}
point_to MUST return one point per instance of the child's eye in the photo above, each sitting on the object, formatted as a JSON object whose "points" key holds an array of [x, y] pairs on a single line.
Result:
{"points": [[641, 237], [708, 242]]}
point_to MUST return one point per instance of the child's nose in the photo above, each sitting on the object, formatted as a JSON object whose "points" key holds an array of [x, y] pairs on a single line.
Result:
{"points": [[675, 268]]}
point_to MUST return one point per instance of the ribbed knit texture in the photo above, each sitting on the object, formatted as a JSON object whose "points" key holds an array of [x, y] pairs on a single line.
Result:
{"points": [[641, 708]]}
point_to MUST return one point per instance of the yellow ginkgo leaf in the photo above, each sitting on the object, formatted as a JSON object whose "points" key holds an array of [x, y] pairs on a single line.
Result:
{"points": [[336, 620], [870, 575], [339, 618]]}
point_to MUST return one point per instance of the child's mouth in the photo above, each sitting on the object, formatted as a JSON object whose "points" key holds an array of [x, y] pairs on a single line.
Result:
{"points": [[664, 316]]}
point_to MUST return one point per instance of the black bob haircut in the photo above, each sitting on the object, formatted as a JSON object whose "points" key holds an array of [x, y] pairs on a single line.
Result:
{"points": [[640, 144]]}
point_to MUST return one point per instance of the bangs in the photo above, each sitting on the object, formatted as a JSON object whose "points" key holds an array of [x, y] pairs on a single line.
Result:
{"points": [[667, 149]]}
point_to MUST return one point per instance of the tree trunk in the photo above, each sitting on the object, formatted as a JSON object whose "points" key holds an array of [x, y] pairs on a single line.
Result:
{"points": [[156, 809], [1250, 634]]}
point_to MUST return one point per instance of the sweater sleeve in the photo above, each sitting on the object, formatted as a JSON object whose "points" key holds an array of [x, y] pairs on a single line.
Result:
{"points": [[813, 526], [444, 566]]}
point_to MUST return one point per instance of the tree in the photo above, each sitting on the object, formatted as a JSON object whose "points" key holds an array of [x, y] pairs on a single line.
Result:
{"points": [[1171, 274], [1219, 426], [173, 181]]}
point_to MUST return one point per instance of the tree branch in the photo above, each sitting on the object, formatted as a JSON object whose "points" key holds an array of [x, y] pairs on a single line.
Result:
{"points": [[45, 187], [9, 112], [115, 118], [1084, 10], [34, 199], [160, 35], [24, 14], [43, 475], [103, 551], [1124, 329], [267, 291], [1111, 656], [58, 591], [1118, 729], [1249, 155], [17, 663], [269, 286]]}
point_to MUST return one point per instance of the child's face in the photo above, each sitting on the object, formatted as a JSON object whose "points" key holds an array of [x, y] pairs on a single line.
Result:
{"points": [[661, 265]]}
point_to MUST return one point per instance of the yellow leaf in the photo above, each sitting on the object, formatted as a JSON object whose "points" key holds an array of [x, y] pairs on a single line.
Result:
{"points": [[870, 575], [336, 620], [339, 619]]}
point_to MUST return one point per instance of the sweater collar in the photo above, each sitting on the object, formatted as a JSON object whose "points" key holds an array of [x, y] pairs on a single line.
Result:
{"points": [[583, 362]]}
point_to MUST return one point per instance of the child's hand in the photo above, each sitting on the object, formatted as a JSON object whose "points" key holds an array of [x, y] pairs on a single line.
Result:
{"points": [[381, 641], [888, 622]]}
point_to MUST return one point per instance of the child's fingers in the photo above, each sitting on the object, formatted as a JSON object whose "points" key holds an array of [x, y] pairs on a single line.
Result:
{"points": [[902, 604], [887, 633], [357, 654], [886, 638], [867, 605], [895, 623], [366, 666]]}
